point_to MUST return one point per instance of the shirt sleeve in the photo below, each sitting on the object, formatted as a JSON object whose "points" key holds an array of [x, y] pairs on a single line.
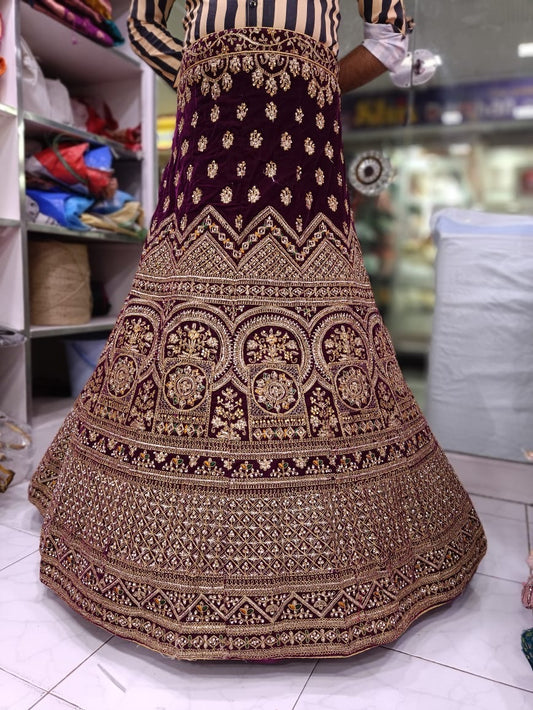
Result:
{"points": [[150, 39], [385, 31]]}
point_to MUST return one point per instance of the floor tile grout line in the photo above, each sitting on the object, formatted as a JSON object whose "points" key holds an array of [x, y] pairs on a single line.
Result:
{"points": [[305, 684], [503, 500], [111, 636], [19, 529], [15, 562], [459, 670], [24, 680], [495, 576]]}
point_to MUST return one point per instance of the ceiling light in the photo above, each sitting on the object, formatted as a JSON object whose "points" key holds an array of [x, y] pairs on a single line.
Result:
{"points": [[451, 117], [525, 49], [523, 112]]}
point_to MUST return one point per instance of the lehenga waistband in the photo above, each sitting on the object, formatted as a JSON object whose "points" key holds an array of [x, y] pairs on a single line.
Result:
{"points": [[239, 46]]}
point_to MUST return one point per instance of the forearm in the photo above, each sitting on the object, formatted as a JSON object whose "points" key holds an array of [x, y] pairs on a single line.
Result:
{"points": [[150, 38], [358, 68]]}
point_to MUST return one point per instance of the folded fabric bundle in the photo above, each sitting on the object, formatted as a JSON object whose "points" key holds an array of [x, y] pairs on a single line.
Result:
{"points": [[105, 33], [78, 167], [126, 220], [64, 207], [95, 116], [2, 60]]}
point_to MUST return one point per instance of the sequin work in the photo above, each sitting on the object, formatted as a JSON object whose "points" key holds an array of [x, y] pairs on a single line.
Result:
{"points": [[246, 474]]}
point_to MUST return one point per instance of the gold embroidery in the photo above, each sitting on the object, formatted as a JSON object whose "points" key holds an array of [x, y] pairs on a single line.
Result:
{"points": [[212, 169], [215, 113], [226, 195], [333, 203], [320, 120], [242, 110], [309, 146], [299, 172], [227, 139], [286, 196], [271, 169], [286, 141], [271, 111], [202, 143], [299, 115], [255, 467], [319, 176], [241, 168], [253, 194], [328, 150], [196, 195], [184, 147], [256, 139]]}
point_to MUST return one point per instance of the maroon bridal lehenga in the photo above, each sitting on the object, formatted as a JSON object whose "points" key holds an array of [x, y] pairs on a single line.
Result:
{"points": [[246, 474]]}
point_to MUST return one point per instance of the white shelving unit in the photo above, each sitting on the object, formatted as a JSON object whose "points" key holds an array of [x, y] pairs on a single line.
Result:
{"points": [[128, 87]]}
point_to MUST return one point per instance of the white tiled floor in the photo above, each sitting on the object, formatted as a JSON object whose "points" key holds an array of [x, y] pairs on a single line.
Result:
{"points": [[461, 657]]}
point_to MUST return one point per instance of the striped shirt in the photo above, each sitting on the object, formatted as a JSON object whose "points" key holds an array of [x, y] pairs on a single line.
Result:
{"points": [[319, 19]]}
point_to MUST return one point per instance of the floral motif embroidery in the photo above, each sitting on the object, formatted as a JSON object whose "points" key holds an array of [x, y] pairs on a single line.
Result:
{"points": [[275, 391], [299, 224], [320, 120], [286, 141], [227, 139], [189, 173], [184, 147], [308, 200], [122, 376], [193, 339], [241, 168], [212, 169], [323, 417], [309, 146], [181, 123], [238, 222], [298, 172], [328, 150], [272, 345], [185, 386], [202, 143], [271, 169], [271, 111], [166, 203], [333, 203], [299, 115], [319, 176], [229, 420], [286, 196], [343, 343], [180, 199], [215, 113], [226, 195], [339, 179], [196, 195], [256, 139], [242, 110], [194, 119], [353, 387], [253, 194]]}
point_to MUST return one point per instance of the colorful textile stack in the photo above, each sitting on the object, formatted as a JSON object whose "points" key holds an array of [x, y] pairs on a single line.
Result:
{"points": [[91, 18], [2, 60], [73, 185]]}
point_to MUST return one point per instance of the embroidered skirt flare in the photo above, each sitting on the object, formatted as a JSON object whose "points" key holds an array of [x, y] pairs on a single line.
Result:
{"points": [[246, 474]]}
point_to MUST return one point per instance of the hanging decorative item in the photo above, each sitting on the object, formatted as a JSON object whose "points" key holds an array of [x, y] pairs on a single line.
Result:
{"points": [[370, 172], [417, 68]]}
